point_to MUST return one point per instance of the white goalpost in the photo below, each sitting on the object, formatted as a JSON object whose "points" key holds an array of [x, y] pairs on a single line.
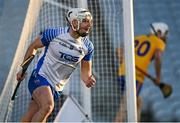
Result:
{"points": [[129, 58], [112, 26]]}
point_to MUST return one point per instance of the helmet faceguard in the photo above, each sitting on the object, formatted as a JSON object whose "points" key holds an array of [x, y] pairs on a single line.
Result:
{"points": [[79, 14], [159, 28]]}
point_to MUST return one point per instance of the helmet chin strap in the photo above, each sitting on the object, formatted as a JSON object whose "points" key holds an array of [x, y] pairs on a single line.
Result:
{"points": [[77, 30], [77, 27]]}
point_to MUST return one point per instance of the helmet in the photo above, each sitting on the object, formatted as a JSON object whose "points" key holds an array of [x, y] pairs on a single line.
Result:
{"points": [[78, 14], [159, 26]]}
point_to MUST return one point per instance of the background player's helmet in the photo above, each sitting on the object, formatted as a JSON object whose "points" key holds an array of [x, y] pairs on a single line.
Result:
{"points": [[159, 26], [78, 14]]}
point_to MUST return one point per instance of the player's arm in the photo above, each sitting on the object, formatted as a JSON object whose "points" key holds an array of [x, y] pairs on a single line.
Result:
{"points": [[157, 65], [86, 73], [166, 89], [32, 47], [120, 54], [43, 40]]}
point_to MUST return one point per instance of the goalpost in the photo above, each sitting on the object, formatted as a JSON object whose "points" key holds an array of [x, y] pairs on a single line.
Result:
{"points": [[130, 62], [113, 25]]}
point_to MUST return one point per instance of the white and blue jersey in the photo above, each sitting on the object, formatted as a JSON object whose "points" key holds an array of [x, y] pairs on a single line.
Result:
{"points": [[61, 55]]}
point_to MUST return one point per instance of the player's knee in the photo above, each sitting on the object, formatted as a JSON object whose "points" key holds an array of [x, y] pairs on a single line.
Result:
{"points": [[47, 108], [139, 102]]}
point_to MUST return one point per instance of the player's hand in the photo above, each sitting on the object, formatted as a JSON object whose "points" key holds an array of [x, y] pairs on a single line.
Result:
{"points": [[90, 82], [165, 89], [157, 81], [20, 76]]}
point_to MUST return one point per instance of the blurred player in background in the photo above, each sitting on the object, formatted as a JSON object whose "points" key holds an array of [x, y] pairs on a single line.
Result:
{"points": [[148, 48], [64, 49]]}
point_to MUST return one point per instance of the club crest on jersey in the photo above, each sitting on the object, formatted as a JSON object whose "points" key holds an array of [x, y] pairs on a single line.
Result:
{"points": [[80, 50], [71, 47], [68, 57]]}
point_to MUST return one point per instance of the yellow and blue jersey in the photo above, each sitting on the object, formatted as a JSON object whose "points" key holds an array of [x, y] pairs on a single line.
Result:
{"points": [[145, 46]]}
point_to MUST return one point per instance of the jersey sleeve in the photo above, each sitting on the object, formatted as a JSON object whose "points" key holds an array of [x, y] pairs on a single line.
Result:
{"points": [[161, 45], [48, 35], [89, 55]]}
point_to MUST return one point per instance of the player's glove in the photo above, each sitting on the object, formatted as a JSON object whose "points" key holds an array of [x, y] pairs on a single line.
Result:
{"points": [[165, 89]]}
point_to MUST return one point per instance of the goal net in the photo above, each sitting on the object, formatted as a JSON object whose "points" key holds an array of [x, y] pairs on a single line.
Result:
{"points": [[102, 101]]}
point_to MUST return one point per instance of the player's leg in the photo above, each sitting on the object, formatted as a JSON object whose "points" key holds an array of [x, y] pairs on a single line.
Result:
{"points": [[43, 96], [139, 105], [32, 109], [33, 106], [139, 101], [41, 92], [121, 114]]}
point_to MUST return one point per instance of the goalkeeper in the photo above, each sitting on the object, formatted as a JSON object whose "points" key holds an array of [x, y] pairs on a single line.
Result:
{"points": [[64, 49], [147, 48]]}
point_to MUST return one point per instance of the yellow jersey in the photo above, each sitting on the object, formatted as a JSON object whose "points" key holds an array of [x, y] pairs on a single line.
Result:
{"points": [[145, 46]]}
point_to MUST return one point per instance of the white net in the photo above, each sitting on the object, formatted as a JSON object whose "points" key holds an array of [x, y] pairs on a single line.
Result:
{"points": [[106, 36]]}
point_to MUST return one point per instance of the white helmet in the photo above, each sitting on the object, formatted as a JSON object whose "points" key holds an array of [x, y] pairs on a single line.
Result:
{"points": [[78, 14], [159, 26]]}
